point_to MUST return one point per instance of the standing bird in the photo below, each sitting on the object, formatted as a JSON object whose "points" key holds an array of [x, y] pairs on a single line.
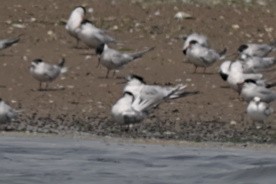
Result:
{"points": [[92, 36], [74, 22], [113, 59], [7, 113], [201, 39], [254, 49], [44, 72], [258, 110], [201, 56]]}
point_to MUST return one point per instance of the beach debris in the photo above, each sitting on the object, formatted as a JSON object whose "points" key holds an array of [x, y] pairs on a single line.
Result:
{"points": [[182, 15]]}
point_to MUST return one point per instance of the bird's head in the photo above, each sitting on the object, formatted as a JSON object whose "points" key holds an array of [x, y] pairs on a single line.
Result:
{"points": [[100, 49]]}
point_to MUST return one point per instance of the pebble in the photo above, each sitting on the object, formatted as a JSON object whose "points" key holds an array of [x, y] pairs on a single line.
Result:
{"points": [[182, 15]]}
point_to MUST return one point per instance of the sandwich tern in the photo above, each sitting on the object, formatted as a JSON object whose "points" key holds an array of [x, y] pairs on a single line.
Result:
{"points": [[255, 64], [254, 49], [74, 22], [44, 72], [233, 74], [258, 110], [5, 43], [201, 56], [127, 110], [92, 36], [113, 59], [139, 98], [154, 93], [249, 89], [7, 113], [201, 39]]}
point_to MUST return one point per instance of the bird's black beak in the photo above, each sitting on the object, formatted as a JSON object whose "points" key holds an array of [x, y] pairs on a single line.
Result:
{"points": [[185, 51], [223, 76]]}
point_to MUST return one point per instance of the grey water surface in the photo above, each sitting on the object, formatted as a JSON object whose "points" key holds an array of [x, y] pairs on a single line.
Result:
{"points": [[28, 160]]}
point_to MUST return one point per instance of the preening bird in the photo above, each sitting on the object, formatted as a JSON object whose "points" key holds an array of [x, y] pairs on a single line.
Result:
{"points": [[139, 98], [74, 22], [92, 36]]}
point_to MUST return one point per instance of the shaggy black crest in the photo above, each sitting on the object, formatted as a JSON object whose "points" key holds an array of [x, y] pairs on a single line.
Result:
{"points": [[138, 78], [242, 48], [38, 60], [250, 81], [193, 42], [100, 49]]}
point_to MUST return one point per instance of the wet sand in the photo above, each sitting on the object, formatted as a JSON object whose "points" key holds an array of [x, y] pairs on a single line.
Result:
{"points": [[80, 101]]}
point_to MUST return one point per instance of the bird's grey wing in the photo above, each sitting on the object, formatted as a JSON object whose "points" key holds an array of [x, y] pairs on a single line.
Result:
{"points": [[266, 92], [208, 56], [102, 36], [139, 54], [120, 59], [51, 71], [5, 43], [144, 104], [262, 50]]}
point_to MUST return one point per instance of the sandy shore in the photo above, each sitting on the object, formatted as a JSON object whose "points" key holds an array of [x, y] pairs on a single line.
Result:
{"points": [[80, 101]]}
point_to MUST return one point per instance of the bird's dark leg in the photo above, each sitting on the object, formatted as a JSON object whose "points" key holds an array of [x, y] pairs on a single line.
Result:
{"points": [[46, 87], [39, 87], [114, 72], [99, 61], [195, 68], [204, 71], [106, 76], [77, 43]]}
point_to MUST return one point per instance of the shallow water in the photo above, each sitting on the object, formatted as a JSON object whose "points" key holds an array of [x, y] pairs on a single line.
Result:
{"points": [[28, 160]]}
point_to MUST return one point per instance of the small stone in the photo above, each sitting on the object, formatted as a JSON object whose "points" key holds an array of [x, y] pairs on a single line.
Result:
{"points": [[157, 13], [87, 57], [20, 26], [232, 122], [25, 58], [182, 15], [235, 26], [115, 27], [90, 10], [32, 19]]}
